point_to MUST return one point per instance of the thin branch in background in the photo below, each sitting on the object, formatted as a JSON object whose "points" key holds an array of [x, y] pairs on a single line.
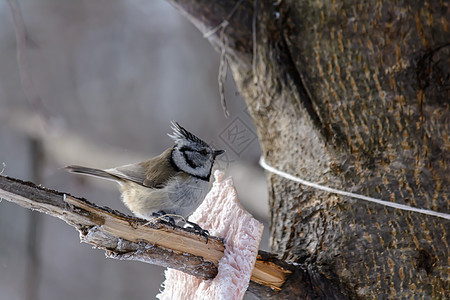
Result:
{"points": [[223, 59], [33, 242], [255, 6], [223, 73], [24, 69]]}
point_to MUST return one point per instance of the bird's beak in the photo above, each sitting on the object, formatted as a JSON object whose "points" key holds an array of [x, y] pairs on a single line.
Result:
{"points": [[218, 152]]}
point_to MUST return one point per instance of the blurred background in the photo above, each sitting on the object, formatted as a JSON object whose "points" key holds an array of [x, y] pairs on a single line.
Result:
{"points": [[101, 82]]}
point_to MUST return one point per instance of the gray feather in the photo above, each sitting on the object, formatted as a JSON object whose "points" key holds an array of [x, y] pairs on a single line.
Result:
{"points": [[92, 172], [153, 173]]}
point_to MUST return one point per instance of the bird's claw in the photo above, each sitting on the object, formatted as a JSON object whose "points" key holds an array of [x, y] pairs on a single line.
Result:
{"points": [[162, 214], [200, 230]]}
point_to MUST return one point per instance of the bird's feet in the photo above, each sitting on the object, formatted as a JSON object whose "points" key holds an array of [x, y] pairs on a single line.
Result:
{"points": [[200, 230], [162, 215]]}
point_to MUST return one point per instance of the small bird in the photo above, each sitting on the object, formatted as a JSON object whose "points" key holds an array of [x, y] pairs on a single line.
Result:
{"points": [[174, 182]]}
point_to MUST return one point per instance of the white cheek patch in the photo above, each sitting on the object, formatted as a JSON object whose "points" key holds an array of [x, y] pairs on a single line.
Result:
{"points": [[202, 171]]}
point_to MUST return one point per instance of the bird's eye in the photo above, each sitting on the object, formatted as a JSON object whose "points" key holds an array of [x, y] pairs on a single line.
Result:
{"points": [[203, 152]]}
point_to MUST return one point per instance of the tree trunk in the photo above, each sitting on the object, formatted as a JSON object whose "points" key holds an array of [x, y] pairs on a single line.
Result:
{"points": [[354, 96]]}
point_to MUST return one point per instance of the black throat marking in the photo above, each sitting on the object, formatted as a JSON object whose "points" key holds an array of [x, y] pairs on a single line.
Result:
{"points": [[190, 163], [172, 162]]}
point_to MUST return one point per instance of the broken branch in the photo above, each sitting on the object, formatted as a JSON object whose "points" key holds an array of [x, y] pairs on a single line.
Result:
{"points": [[125, 237]]}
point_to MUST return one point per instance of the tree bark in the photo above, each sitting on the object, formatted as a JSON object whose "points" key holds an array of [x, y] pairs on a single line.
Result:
{"points": [[354, 96]]}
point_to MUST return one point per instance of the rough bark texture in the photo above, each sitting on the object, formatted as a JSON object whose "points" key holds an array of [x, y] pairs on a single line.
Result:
{"points": [[354, 96]]}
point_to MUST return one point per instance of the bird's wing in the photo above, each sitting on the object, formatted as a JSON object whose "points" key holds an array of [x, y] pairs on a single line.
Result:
{"points": [[153, 173]]}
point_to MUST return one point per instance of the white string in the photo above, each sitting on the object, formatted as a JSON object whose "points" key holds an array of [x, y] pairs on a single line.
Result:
{"points": [[263, 164]]}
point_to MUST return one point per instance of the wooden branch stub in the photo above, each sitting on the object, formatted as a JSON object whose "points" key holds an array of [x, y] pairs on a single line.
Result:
{"points": [[268, 273]]}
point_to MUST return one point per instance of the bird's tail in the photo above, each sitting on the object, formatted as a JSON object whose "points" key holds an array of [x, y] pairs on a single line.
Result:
{"points": [[92, 172]]}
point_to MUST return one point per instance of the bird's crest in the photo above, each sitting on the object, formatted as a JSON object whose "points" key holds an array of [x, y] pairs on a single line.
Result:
{"points": [[181, 135]]}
